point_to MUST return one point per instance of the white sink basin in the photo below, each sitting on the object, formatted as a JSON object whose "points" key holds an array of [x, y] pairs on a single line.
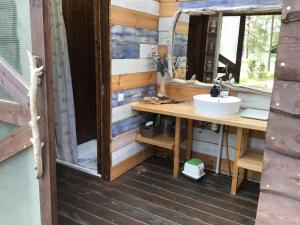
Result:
{"points": [[216, 107]]}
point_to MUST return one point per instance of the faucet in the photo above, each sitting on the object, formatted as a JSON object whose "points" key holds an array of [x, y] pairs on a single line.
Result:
{"points": [[219, 77]]}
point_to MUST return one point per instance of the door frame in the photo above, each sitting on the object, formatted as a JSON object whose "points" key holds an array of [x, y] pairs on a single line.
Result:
{"points": [[40, 20], [103, 86]]}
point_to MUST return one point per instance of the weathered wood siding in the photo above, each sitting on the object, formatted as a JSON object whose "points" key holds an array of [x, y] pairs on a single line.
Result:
{"points": [[134, 38], [279, 201]]}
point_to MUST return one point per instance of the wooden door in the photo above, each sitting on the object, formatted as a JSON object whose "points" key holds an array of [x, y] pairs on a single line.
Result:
{"points": [[279, 201], [80, 28], [27, 23]]}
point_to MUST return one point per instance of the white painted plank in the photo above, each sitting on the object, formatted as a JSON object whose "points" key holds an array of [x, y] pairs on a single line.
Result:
{"points": [[149, 6], [123, 66], [126, 152], [164, 38], [208, 136], [165, 23], [147, 50], [122, 112], [124, 139]]}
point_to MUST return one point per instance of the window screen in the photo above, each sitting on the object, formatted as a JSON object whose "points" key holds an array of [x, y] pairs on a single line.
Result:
{"points": [[15, 37]]}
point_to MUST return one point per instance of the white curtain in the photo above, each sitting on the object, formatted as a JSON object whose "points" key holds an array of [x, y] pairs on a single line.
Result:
{"points": [[66, 139]]}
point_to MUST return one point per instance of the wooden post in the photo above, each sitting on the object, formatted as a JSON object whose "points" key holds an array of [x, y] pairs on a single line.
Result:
{"points": [[189, 146], [177, 147], [238, 146]]}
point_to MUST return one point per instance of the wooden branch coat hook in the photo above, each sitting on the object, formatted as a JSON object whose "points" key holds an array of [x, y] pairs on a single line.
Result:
{"points": [[35, 80]]}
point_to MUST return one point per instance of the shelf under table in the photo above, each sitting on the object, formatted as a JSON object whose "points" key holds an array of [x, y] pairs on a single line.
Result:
{"points": [[252, 160], [160, 140]]}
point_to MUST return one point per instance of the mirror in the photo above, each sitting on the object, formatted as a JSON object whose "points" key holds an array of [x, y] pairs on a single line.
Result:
{"points": [[241, 46], [248, 49], [180, 46]]}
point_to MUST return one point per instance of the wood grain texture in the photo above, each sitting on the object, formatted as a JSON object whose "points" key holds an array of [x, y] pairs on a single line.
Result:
{"points": [[286, 97], [124, 139], [126, 152], [185, 110], [150, 7], [14, 84], [178, 91], [12, 112], [283, 134], [16, 142], [79, 22], [167, 9], [128, 124], [289, 40], [132, 95], [133, 80], [133, 35], [150, 195], [281, 175], [125, 66], [40, 22], [132, 18], [276, 209], [129, 163], [125, 51]]}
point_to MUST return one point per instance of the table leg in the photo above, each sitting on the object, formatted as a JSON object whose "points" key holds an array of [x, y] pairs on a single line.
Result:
{"points": [[238, 146], [189, 146], [177, 147]]}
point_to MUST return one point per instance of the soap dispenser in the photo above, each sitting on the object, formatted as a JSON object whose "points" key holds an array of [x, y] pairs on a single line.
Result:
{"points": [[214, 92]]}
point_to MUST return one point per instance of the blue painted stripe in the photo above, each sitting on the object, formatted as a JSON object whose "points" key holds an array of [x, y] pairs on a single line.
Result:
{"points": [[180, 50], [128, 124], [126, 34], [132, 95], [181, 39], [213, 4], [125, 51]]}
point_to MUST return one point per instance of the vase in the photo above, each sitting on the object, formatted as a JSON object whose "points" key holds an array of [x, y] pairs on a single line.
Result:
{"points": [[162, 88]]}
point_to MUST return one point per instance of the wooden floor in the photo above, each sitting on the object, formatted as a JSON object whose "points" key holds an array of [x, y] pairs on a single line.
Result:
{"points": [[148, 194]]}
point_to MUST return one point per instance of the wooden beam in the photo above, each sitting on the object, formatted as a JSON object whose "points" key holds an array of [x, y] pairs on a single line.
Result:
{"points": [[14, 84], [133, 18], [12, 112], [133, 80], [16, 142], [240, 48]]}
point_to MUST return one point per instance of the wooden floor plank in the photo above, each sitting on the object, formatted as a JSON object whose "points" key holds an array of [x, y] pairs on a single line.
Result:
{"points": [[114, 193], [149, 194], [62, 220], [79, 215], [207, 213], [97, 209], [207, 189], [198, 196], [113, 204]]}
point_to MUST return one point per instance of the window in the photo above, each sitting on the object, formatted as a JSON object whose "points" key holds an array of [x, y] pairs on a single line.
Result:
{"points": [[248, 48]]}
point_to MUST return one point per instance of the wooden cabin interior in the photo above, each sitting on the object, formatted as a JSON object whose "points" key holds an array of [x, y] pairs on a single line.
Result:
{"points": [[128, 129]]}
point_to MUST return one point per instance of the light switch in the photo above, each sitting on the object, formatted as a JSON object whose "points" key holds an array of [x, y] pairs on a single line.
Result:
{"points": [[120, 97]]}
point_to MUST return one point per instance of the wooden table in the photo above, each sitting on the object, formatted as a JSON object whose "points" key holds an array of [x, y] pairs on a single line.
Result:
{"points": [[186, 111]]}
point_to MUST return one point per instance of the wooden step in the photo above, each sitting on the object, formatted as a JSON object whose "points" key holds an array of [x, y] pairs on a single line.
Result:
{"points": [[252, 160]]}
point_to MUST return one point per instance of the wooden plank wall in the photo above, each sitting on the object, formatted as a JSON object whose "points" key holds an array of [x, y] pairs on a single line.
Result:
{"points": [[279, 201], [166, 11], [134, 38]]}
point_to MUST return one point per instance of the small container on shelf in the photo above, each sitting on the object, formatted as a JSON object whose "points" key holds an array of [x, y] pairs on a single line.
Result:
{"points": [[150, 130]]}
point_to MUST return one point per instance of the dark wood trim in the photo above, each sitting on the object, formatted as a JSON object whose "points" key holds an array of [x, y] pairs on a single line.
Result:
{"points": [[239, 53], [12, 112], [196, 51], [16, 142], [40, 19], [14, 84], [103, 80]]}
